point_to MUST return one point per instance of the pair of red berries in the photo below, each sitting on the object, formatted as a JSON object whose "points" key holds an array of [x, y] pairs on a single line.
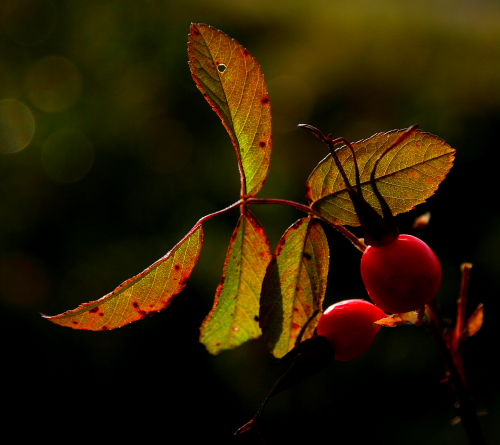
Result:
{"points": [[399, 277]]}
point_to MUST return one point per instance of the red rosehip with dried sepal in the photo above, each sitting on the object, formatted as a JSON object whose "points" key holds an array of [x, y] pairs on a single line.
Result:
{"points": [[348, 326]]}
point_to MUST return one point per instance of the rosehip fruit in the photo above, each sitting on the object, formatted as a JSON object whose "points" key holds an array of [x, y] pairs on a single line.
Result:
{"points": [[348, 325], [402, 276]]}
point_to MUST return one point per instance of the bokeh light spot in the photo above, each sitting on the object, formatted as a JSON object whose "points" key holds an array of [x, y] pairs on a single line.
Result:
{"points": [[67, 156], [53, 84], [17, 126]]}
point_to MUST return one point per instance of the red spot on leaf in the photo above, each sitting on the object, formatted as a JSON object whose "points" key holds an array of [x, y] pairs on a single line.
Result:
{"points": [[264, 100], [104, 328], [195, 32], [94, 310], [177, 267], [295, 326], [296, 309], [135, 304], [262, 144], [75, 322], [101, 314], [246, 53]]}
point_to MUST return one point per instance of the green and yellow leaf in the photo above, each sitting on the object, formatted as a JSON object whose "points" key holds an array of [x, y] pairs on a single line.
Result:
{"points": [[408, 175], [234, 317], [232, 82], [149, 292], [294, 286]]}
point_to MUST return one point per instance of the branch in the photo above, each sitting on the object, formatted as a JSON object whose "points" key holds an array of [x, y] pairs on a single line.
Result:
{"points": [[465, 407]]}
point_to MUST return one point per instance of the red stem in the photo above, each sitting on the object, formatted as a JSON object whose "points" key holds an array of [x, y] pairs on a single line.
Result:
{"points": [[358, 243], [464, 406], [458, 334]]}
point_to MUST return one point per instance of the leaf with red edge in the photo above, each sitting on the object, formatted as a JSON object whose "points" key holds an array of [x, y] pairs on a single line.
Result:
{"points": [[234, 318], [149, 292], [294, 286], [408, 175], [232, 82]]}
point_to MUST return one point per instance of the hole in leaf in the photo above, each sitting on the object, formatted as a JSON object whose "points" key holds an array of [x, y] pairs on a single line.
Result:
{"points": [[221, 67]]}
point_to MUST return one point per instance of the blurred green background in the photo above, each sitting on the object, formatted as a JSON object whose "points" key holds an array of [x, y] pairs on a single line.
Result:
{"points": [[109, 155]]}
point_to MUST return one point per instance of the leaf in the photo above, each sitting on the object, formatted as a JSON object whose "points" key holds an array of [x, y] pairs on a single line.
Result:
{"points": [[234, 317], [294, 286], [404, 319], [408, 175], [475, 321], [150, 291], [231, 81]]}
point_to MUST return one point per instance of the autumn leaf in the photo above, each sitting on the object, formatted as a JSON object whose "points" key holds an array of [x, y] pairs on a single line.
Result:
{"points": [[394, 320], [294, 286], [231, 81], [146, 293], [475, 321], [234, 318], [408, 175]]}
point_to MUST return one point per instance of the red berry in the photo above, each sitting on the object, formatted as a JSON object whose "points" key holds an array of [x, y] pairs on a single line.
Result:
{"points": [[402, 276], [348, 325]]}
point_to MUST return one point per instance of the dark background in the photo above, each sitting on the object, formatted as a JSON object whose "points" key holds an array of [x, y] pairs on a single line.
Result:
{"points": [[126, 156]]}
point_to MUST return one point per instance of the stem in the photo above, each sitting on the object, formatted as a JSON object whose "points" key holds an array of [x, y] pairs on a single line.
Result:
{"points": [[358, 243], [464, 405], [457, 338], [282, 202], [210, 216]]}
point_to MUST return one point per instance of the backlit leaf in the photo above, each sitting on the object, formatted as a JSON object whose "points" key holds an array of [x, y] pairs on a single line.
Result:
{"points": [[408, 175], [475, 321], [294, 286], [394, 320], [146, 293], [231, 81], [234, 318]]}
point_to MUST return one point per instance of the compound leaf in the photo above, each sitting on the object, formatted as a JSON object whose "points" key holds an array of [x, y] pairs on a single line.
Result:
{"points": [[408, 175], [146, 293], [234, 317], [231, 81], [294, 286]]}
